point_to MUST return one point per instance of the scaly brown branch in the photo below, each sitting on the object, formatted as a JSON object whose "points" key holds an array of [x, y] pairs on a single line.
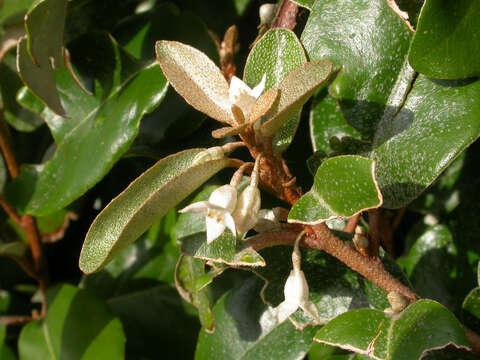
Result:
{"points": [[286, 16]]}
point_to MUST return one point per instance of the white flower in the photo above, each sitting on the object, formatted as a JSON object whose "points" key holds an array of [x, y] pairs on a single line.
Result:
{"points": [[243, 96], [296, 296], [246, 211], [296, 290], [218, 210]]}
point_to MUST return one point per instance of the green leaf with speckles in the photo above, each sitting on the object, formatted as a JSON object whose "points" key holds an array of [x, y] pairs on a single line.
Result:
{"points": [[447, 39], [187, 272], [438, 120], [401, 337], [144, 202], [327, 121], [226, 249], [276, 54], [343, 187], [368, 42]]}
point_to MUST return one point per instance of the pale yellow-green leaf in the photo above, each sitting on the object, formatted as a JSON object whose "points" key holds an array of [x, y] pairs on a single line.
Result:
{"points": [[263, 104], [142, 203], [196, 78]]}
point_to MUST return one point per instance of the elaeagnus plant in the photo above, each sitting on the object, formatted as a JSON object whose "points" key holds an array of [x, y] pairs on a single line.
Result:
{"points": [[299, 185]]}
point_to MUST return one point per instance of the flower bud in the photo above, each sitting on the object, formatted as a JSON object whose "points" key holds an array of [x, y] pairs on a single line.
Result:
{"points": [[397, 301], [248, 206], [267, 13], [213, 153]]}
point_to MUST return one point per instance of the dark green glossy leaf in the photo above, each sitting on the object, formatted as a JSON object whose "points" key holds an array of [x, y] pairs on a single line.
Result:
{"points": [[416, 136], [175, 118], [146, 200], [431, 263], [156, 324], [381, 336], [42, 51], [188, 271], [276, 54], [343, 187], [447, 40], [369, 42], [100, 128], [442, 197], [334, 288], [247, 329], [17, 116], [471, 310], [437, 122], [326, 121], [67, 333], [150, 259]]}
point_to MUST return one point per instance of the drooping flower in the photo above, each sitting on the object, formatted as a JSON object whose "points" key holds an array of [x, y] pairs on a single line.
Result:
{"points": [[296, 291], [218, 210], [246, 211]]}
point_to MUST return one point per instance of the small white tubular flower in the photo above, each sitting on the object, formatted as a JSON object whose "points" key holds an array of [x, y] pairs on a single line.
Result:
{"points": [[246, 211], [243, 96], [218, 210], [296, 291]]}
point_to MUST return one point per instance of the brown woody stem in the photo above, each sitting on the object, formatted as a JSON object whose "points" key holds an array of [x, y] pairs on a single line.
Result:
{"points": [[27, 222], [352, 224], [370, 268], [286, 16]]}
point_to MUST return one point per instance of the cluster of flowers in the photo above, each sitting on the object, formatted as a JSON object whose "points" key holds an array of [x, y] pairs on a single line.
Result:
{"points": [[224, 210], [236, 106]]}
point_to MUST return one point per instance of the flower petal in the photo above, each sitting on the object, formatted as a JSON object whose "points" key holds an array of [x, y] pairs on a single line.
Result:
{"points": [[258, 90], [227, 220], [285, 309], [200, 207], [215, 228], [224, 197], [296, 287], [310, 308], [237, 87]]}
